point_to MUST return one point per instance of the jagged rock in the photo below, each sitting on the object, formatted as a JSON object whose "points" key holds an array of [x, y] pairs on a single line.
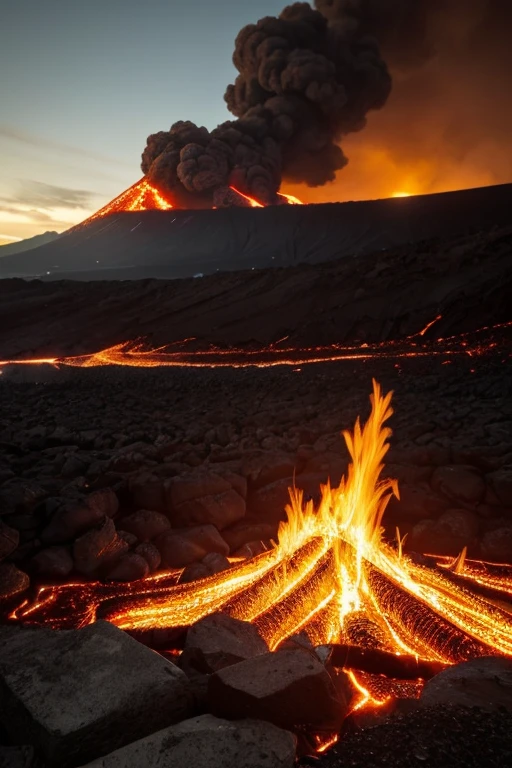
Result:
{"points": [[148, 493], [12, 581], [130, 538], [183, 546], [129, 567], [501, 483], [9, 540], [460, 526], [104, 500], [221, 510], [224, 640], [78, 517], [193, 572], [215, 562], [150, 553], [291, 689], [115, 690], [245, 532], [194, 486], [20, 496], [53, 561], [459, 483], [207, 742], [496, 545], [415, 503], [98, 548], [18, 757], [146, 524], [265, 467], [238, 482], [485, 682]]}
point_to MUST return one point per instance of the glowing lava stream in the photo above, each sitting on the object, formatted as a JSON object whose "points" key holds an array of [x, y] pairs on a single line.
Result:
{"points": [[330, 575], [135, 354]]}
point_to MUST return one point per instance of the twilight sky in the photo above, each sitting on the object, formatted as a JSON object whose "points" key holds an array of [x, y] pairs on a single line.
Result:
{"points": [[84, 83], [82, 86]]}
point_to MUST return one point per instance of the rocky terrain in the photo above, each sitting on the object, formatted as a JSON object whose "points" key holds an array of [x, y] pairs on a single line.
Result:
{"points": [[118, 472], [115, 474], [385, 295]]}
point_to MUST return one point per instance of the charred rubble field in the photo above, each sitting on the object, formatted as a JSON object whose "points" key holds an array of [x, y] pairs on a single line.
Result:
{"points": [[134, 439]]}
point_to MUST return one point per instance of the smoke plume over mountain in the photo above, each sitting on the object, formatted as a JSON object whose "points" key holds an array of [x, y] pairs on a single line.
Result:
{"points": [[308, 79], [304, 82]]}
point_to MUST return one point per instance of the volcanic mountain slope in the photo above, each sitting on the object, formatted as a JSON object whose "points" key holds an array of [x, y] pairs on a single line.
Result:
{"points": [[464, 280], [30, 243], [169, 244]]}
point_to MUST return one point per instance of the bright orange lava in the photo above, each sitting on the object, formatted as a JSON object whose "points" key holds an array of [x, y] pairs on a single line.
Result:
{"points": [[143, 196], [136, 355], [332, 576]]}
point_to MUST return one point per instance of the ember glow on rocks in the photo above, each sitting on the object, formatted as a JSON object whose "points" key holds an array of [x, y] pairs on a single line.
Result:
{"points": [[332, 576]]}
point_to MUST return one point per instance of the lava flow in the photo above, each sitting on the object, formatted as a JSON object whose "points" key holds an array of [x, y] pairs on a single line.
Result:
{"points": [[144, 196], [136, 354], [332, 576]]}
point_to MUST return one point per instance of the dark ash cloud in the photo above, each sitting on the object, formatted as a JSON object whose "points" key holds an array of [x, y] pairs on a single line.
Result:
{"points": [[305, 81]]}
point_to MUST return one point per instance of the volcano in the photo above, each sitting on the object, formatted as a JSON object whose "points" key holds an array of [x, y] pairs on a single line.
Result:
{"points": [[139, 234]]}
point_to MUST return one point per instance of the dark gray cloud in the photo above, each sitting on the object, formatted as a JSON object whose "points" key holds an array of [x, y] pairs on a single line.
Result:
{"points": [[304, 82]]}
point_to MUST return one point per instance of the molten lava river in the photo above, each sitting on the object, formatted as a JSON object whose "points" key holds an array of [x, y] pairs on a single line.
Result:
{"points": [[390, 620]]}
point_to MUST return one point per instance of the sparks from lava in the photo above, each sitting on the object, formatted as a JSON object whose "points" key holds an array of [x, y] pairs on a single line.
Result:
{"points": [[136, 354], [331, 575], [143, 196]]}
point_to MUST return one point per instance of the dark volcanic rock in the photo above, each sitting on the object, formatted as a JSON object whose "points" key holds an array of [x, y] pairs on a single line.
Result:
{"points": [[53, 561], [77, 517], [9, 540], [130, 567], [497, 545], [221, 510], [150, 554], [439, 737], [485, 682], [181, 547], [98, 547], [20, 496], [12, 581], [459, 483], [115, 690], [145, 524], [245, 532], [207, 742], [224, 641], [290, 688], [18, 757]]}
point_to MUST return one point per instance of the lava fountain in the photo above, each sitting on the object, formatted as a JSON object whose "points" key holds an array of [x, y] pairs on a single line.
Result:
{"points": [[332, 576]]}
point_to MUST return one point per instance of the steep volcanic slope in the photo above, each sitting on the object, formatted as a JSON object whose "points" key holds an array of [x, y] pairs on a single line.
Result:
{"points": [[466, 280], [170, 244]]}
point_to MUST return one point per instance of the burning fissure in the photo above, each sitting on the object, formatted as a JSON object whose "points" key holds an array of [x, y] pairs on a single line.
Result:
{"points": [[331, 576]]}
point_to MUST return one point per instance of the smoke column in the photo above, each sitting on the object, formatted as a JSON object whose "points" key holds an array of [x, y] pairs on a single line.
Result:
{"points": [[448, 121], [306, 79], [307, 82]]}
